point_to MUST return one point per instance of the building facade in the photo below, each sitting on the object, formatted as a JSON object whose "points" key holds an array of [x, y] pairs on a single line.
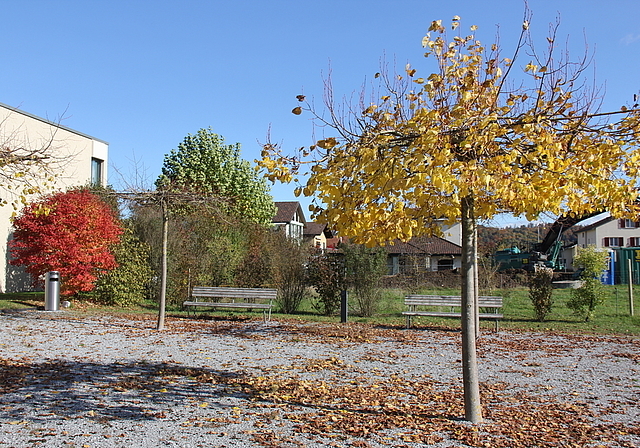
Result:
{"points": [[290, 219], [423, 254], [76, 159]]}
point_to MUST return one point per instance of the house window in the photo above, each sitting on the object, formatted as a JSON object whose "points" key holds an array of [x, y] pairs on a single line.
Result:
{"points": [[96, 171], [628, 224], [445, 264], [614, 241], [634, 241]]}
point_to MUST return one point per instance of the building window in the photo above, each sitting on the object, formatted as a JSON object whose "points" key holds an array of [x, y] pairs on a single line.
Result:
{"points": [[614, 241], [445, 264], [634, 241], [96, 171], [628, 224]]}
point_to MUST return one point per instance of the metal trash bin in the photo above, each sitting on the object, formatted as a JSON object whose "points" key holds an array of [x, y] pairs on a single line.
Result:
{"points": [[52, 291]]}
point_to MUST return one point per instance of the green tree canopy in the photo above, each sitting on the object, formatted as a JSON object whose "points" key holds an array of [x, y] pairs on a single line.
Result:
{"points": [[204, 164]]}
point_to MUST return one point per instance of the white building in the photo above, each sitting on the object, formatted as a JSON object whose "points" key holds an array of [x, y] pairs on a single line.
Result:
{"points": [[77, 158], [604, 232], [290, 219]]}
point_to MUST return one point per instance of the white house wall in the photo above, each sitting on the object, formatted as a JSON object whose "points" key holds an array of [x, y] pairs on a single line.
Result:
{"points": [[72, 154], [596, 235], [452, 233]]}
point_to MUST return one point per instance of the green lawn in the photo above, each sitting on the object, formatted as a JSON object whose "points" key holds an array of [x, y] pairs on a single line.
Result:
{"points": [[610, 318]]}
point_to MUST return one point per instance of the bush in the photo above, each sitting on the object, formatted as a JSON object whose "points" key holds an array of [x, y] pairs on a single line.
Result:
{"points": [[365, 268], [288, 267], [326, 273], [540, 292], [255, 270], [584, 299], [128, 284]]}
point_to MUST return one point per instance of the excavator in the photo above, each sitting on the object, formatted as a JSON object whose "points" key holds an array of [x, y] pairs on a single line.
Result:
{"points": [[545, 253]]}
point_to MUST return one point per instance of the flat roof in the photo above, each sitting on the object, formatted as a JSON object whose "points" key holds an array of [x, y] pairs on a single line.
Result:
{"points": [[52, 123]]}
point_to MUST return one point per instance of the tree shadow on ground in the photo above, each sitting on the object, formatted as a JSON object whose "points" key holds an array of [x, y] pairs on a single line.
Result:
{"points": [[137, 391], [146, 391]]}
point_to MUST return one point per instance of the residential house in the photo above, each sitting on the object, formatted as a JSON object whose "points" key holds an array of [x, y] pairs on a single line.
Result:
{"points": [[290, 219], [79, 159], [423, 254], [317, 235], [604, 232], [610, 233]]}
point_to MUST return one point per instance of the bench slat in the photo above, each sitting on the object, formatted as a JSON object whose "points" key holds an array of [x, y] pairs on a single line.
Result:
{"points": [[413, 301], [450, 314], [229, 305]]}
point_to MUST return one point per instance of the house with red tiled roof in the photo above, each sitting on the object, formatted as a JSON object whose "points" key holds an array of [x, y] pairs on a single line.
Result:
{"points": [[316, 235], [423, 254]]}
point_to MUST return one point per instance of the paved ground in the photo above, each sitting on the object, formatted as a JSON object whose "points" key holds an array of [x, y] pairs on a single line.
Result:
{"points": [[69, 379]]}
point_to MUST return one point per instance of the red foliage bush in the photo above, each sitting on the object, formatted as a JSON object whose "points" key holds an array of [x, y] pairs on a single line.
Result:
{"points": [[71, 232]]}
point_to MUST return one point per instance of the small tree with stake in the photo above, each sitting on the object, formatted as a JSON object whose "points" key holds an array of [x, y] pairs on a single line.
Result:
{"points": [[589, 295], [466, 142]]}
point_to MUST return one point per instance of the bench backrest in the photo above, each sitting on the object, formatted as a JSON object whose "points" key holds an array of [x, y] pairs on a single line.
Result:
{"points": [[234, 293], [435, 300]]}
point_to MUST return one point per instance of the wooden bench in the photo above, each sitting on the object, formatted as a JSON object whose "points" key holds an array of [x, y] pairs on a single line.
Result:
{"points": [[490, 304], [214, 295]]}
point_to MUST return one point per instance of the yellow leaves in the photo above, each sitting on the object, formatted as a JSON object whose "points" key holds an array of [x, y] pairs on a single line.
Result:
{"points": [[327, 143], [436, 25], [276, 166], [369, 110], [268, 163], [455, 22], [458, 140]]}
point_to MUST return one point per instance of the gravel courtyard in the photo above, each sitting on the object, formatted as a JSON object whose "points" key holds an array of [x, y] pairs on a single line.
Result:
{"points": [[74, 380]]}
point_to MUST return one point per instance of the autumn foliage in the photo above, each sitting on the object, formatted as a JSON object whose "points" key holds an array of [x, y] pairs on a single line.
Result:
{"points": [[71, 232]]}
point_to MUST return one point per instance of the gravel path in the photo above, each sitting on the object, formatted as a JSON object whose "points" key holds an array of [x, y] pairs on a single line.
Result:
{"points": [[71, 380]]}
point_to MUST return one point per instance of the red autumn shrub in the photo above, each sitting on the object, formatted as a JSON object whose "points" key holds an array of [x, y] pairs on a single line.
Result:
{"points": [[71, 232]]}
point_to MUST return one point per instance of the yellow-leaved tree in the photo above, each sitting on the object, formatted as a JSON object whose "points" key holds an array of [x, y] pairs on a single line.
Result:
{"points": [[481, 135]]}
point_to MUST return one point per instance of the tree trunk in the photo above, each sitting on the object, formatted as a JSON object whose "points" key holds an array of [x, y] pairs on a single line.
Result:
{"points": [[476, 288], [163, 274], [472, 406]]}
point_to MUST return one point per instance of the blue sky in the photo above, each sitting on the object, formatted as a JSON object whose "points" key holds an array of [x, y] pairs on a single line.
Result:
{"points": [[144, 74]]}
